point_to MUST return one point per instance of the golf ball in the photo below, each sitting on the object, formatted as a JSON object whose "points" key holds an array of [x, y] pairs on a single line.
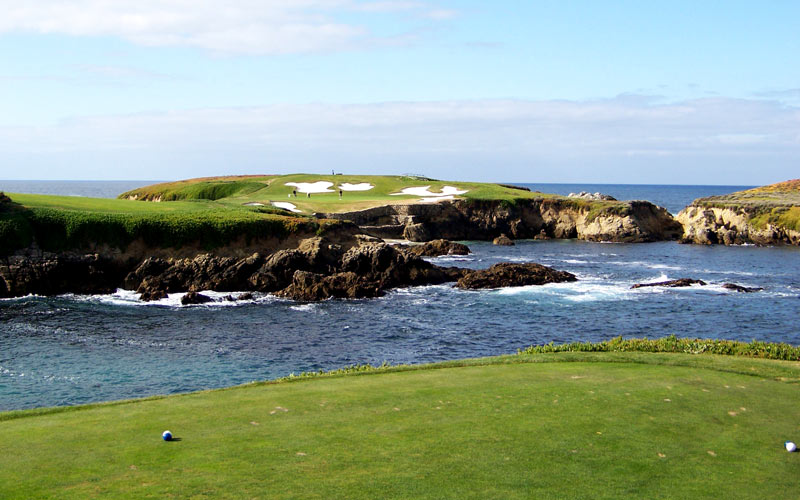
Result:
{"points": [[167, 436], [790, 446]]}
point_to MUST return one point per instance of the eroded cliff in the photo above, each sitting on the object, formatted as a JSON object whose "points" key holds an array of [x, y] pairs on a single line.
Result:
{"points": [[632, 221], [768, 215]]}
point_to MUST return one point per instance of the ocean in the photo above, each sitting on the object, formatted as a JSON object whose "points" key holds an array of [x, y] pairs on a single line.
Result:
{"points": [[77, 349]]}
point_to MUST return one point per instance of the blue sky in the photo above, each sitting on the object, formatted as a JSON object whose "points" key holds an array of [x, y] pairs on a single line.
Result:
{"points": [[602, 91]]}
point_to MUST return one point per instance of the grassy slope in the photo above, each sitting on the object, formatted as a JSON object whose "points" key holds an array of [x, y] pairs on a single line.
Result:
{"points": [[65, 222], [776, 204], [274, 188], [605, 425]]}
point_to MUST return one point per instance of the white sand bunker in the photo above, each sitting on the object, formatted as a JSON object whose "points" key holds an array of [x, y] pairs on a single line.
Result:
{"points": [[254, 204], [286, 206], [363, 186], [447, 193], [438, 198], [312, 187]]}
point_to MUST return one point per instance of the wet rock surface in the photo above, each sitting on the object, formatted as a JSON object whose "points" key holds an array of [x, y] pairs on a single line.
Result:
{"points": [[672, 283], [511, 274], [194, 298], [437, 248], [740, 288], [503, 240]]}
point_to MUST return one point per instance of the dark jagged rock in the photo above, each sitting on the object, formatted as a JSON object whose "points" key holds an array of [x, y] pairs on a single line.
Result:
{"points": [[672, 283], [308, 286], [437, 248], [54, 275], [740, 288], [151, 294], [511, 274], [503, 240], [194, 298]]}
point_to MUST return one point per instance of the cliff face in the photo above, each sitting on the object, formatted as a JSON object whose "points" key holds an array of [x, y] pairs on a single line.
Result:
{"points": [[767, 215], [731, 226], [635, 221]]}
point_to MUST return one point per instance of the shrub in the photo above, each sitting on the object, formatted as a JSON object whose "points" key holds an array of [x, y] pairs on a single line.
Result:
{"points": [[754, 349]]}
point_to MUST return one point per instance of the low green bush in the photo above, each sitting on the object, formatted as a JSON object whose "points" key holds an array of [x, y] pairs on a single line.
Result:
{"points": [[754, 349]]}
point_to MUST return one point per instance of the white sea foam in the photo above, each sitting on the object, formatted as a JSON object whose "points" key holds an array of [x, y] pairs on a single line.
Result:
{"points": [[303, 307], [577, 291], [131, 298], [643, 264]]}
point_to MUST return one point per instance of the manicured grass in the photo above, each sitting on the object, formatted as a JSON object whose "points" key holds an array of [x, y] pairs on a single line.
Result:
{"points": [[274, 188], [596, 425]]}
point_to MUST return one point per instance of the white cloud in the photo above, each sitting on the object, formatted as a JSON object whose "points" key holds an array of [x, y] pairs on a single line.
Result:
{"points": [[616, 140], [235, 26]]}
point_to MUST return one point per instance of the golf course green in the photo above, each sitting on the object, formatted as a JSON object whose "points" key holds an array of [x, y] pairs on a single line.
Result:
{"points": [[542, 425]]}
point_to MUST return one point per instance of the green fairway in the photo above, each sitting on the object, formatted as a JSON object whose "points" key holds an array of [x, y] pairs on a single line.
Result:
{"points": [[604, 425], [268, 189]]}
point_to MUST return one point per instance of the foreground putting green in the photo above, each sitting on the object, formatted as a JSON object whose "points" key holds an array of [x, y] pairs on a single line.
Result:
{"points": [[606, 425]]}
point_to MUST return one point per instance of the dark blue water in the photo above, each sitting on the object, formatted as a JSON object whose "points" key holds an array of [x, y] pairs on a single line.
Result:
{"points": [[91, 189], [77, 349], [673, 198]]}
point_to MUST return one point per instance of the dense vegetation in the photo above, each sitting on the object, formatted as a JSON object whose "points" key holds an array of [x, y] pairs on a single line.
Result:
{"points": [[59, 223], [582, 423]]}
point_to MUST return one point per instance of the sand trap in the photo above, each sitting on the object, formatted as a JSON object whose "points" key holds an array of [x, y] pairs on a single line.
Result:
{"points": [[364, 186], [254, 204], [437, 198], [312, 187], [426, 192], [286, 206]]}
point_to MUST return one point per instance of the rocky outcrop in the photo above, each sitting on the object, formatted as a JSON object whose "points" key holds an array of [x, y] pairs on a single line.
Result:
{"points": [[672, 283], [740, 288], [316, 270], [767, 215], [437, 248], [510, 274], [584, 195], [731, 226], [194, 298], [58, 274], [503, 240], [633, 221], [5, 201]]}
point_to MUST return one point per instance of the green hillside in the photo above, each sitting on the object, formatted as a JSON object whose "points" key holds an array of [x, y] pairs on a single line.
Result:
{"points": [[59, 223], [268, 189]]}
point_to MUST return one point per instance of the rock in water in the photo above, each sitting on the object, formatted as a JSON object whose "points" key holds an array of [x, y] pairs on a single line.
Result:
{"points": [[436, 248], [740, 288], [672, 283], [192, 298], [503, 240], [153, 294], [510, 274]]}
